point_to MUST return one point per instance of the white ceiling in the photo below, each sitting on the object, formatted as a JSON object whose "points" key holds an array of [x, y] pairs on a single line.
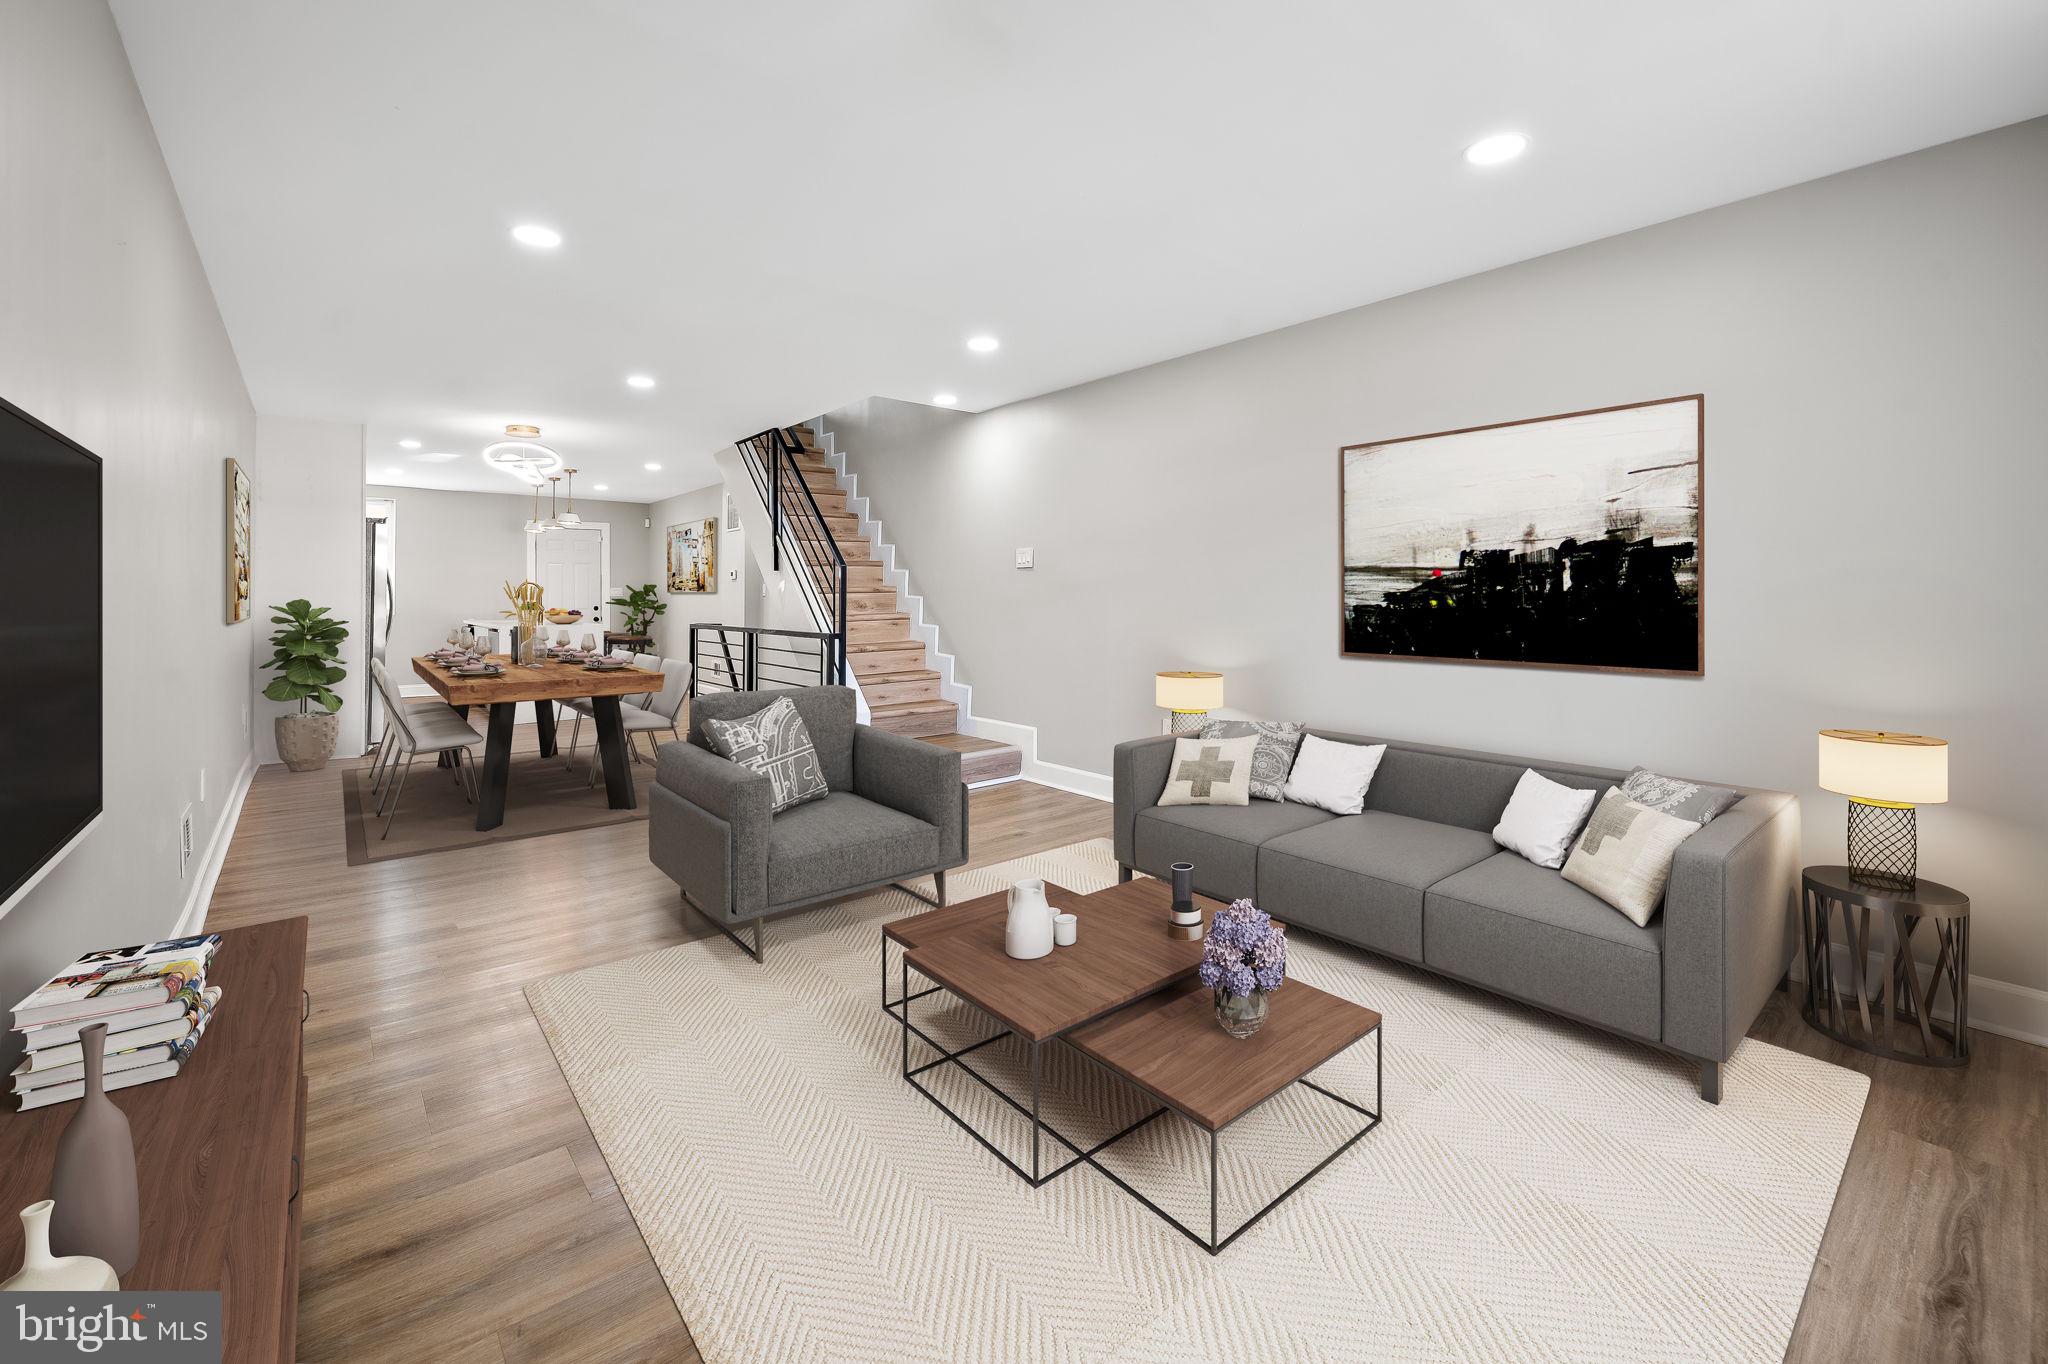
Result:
{"points": [[776, 208]]}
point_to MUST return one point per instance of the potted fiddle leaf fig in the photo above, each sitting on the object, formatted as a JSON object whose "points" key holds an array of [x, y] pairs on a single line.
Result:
{"points": [[639, 607], [306, 645]]}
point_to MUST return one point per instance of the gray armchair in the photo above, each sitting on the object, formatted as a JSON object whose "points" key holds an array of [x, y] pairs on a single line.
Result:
{"points": [[896, 809]]}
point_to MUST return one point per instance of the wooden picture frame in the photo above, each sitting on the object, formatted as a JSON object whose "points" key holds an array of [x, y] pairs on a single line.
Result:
{"points": [[241, 508], [1607, 573]]}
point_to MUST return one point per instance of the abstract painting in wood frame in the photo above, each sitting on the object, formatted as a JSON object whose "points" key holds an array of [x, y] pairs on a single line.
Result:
{"points": [[1571, 541]]}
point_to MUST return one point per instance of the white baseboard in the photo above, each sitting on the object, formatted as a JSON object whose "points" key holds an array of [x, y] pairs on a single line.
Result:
{"points": [[1094, 785], [194, 912], [1996, 1006]]}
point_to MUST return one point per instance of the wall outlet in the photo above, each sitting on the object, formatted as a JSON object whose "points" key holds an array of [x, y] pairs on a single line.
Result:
{"points": [[1024, 558], [184, 842], [245, 719], [202, 786]]}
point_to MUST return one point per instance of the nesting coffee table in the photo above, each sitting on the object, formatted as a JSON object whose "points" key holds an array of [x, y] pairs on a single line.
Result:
{"points": [[1125, 996]]}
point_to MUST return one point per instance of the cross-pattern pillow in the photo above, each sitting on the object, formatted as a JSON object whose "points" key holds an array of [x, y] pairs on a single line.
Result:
{"points": [[773, 741], [1273, 759], [1625, 855], [1683, 799], [1210, 772]]}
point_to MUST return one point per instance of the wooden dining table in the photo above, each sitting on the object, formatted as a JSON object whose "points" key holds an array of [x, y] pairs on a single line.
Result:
{"points": [[543, 685]]}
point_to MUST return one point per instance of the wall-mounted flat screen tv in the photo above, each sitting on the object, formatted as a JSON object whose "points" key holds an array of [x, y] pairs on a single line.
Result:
{"points": [[50, 663]]}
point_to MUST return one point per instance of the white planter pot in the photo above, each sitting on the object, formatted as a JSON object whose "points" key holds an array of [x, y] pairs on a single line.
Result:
{"points": [[306, 742]]}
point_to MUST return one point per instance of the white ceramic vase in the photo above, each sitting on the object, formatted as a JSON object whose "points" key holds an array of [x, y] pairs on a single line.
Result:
{"points": [[1028, 933], [42, 1272]]}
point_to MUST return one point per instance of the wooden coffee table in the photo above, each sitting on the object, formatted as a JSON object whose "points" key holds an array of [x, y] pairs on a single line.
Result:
{"points": [[1125, 996]]}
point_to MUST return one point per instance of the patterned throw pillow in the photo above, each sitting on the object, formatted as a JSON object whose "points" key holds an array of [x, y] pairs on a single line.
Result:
{"points": [[1273, 759], [1625, 854], [1210, 772], [1670, 796], [773, 741]]}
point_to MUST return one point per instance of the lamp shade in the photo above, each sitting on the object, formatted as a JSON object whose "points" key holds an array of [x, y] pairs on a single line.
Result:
{"points": [[1188, 691], [1878, 765]]}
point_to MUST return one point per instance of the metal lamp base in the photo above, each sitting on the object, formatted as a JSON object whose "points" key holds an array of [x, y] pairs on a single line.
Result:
{"points": [[1884, 845], [1187, 722]]}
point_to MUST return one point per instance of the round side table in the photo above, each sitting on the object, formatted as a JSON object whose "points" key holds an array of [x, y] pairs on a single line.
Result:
{"points": [[1863, 1010]]}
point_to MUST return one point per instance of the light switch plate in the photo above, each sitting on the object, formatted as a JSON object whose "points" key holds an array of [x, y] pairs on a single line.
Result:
{"points": [[1024, 558]]}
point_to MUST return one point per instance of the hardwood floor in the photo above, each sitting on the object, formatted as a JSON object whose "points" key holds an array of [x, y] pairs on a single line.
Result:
{"points": [[457, 1209]]}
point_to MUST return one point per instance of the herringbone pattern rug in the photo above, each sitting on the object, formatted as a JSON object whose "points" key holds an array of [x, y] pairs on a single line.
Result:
{"points": [[1537, 1192]]}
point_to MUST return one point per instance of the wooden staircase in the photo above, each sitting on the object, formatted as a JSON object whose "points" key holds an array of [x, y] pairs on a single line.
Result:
{"points": [[903, 695]]}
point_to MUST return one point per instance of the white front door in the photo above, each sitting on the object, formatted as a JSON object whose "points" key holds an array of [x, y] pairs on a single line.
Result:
{"points": [[570, 567]]}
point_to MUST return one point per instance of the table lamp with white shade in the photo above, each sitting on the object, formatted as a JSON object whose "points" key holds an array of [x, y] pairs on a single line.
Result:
{"points": [[1886, 776], [1190, 696]]}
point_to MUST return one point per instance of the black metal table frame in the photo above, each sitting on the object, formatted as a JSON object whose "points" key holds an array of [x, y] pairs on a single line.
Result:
{"points": [[1038, 1177], [1895, 994], [497, 764]]}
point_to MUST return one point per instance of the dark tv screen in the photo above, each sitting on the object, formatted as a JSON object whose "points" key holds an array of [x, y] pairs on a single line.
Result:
{"points": [[50, 664]]}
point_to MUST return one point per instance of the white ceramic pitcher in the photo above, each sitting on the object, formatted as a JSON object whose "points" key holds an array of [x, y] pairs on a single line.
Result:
{"points": [[1028, 933]]}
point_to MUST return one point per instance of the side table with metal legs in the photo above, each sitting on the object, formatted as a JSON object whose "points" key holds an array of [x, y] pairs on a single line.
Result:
{"points": [[1863, 1008]]}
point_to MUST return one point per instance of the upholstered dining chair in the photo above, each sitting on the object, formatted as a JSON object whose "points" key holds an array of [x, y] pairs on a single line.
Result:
{"points": [[661, 710], [632, 709], [411, 731]]}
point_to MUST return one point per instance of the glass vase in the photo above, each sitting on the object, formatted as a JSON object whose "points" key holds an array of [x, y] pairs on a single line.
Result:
{"points": [[1241, 1015]]}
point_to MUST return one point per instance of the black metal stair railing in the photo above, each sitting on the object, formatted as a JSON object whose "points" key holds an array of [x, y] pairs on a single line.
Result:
{"points": [[798, 525], [752, 657]]}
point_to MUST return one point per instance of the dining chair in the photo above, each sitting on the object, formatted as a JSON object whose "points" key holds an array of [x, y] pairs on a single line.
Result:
{"points": [[581, 707], [663, 711], [421, 729], [389, 694]]}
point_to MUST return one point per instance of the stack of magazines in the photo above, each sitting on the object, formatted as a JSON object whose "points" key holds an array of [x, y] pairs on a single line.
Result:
{"points": [[154, 1000]]}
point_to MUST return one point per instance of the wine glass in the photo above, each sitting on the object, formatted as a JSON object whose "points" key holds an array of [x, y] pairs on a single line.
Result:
{"points": [[590, 644]]}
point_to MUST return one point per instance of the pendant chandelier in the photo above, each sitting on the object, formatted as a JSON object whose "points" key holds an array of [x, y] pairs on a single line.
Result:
{"points": [[522, 455], [534, 525], [569, 519]]}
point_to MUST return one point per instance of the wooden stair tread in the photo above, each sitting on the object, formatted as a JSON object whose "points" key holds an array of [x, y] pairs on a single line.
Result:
{"points": [[911, 707], [885, 645], [964, 743]]}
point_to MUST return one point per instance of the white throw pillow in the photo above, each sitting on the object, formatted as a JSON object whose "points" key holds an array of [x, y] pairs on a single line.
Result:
{"points": [[1332, 776], [1542, 819], [1210, 772], [1625, 855]]}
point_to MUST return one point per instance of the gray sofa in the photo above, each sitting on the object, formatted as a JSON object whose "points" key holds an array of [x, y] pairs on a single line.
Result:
{"points": [[1418, 876], [896, 809]]}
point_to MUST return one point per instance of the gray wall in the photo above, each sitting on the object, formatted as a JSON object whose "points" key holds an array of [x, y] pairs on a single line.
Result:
{"points": [[1874, 352], [109, 333], [726, 606], [307, 541], [456, 551]]}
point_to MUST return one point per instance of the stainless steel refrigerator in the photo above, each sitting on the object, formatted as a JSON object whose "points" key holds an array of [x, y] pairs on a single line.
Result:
{"points": [[380, 516]]}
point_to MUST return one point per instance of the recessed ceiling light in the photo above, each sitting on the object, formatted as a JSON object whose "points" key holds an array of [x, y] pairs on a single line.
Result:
{"points": [[408, 445], [639, 381], [533, 234], [602, 487], [1492, 151], [652, 468], [982, 345], [944, 399]]}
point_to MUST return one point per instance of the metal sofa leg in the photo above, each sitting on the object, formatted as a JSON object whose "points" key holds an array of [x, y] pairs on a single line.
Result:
{"points": [[1710, 1081], [1123, 873], [756, 951], [939, 879]]}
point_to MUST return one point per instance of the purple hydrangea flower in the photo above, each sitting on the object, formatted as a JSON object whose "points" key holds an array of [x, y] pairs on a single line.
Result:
{"points": [[1244, 951]]}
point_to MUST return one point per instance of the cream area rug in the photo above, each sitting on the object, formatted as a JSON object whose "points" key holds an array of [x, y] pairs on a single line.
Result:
{"points": [[1537, 1191]]}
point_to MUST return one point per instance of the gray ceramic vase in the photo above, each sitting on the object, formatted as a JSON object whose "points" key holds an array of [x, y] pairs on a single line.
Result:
{"points": [[98, 1209]]}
